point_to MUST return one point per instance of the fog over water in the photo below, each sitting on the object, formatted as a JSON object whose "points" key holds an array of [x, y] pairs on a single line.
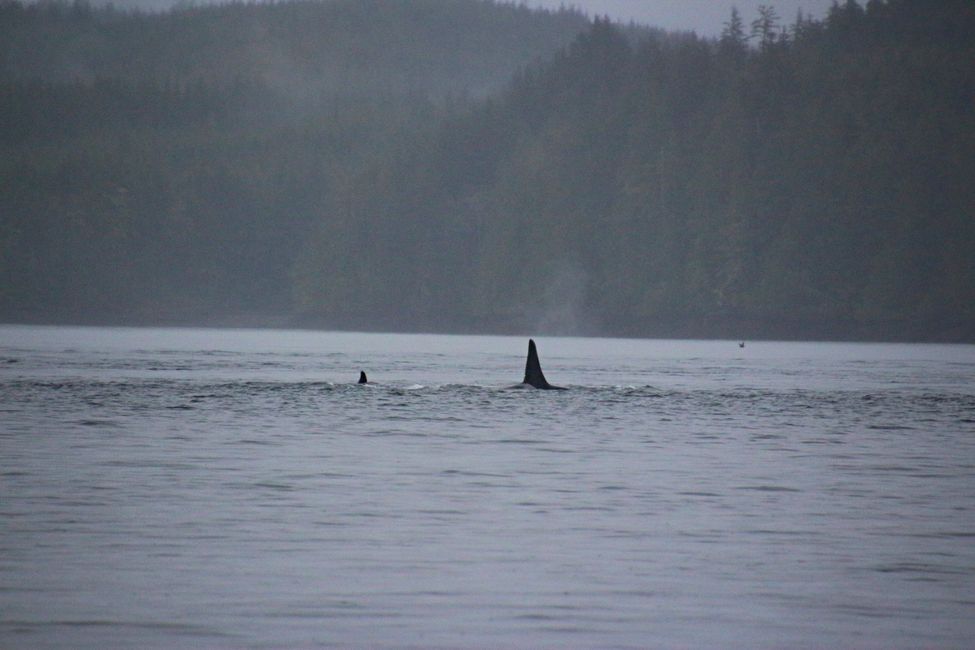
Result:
{"points": [[233, 488]]}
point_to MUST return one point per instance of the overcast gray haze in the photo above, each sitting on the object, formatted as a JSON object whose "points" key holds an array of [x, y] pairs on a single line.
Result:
{"points": [[706, 17]]}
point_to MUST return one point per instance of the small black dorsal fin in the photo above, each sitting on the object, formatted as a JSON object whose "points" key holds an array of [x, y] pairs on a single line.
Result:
{"points": [[533, 369], [362, 378]]}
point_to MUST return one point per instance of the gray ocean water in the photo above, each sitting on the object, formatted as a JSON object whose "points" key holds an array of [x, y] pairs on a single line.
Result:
{"points": [[165, 488]]}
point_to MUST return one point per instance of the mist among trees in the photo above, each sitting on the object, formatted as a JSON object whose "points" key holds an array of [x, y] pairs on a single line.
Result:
{"points": [[468, 166]]}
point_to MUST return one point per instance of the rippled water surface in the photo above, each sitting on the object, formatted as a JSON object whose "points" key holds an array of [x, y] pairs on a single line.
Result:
{"points": [[229, 488]]}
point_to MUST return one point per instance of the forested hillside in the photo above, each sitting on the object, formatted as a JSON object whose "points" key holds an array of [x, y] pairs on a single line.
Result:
{"points": [[301, 48], [354, 164], [818, 184], [164, 168]]}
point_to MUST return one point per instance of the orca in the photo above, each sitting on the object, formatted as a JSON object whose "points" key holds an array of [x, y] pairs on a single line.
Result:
{"points": [[533, 371], [362, 378]]}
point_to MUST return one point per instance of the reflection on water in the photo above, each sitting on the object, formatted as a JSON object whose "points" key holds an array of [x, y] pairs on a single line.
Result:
{"points": [[221, 488]]}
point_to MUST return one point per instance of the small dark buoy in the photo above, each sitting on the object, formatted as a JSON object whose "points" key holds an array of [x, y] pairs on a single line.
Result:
{"points": [[362, 377]]}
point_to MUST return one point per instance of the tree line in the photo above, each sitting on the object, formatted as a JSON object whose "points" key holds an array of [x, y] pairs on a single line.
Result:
{"points": [[811, 182], [166, 167], [801, 180]]}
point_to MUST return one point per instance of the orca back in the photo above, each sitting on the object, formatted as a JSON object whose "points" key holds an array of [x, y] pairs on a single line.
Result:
{"points": [[362, 377]]}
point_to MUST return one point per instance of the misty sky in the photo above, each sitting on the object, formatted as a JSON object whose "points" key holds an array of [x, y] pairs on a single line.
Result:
{"points": [[706, 17]]}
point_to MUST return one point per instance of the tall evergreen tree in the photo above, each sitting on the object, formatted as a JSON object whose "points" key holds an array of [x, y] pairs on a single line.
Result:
{"points": [[733, 39], [765, 27]]}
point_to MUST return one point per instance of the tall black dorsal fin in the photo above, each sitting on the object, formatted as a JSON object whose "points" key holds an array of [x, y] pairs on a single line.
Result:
{"points": [[533, 369], [362, 377]]}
